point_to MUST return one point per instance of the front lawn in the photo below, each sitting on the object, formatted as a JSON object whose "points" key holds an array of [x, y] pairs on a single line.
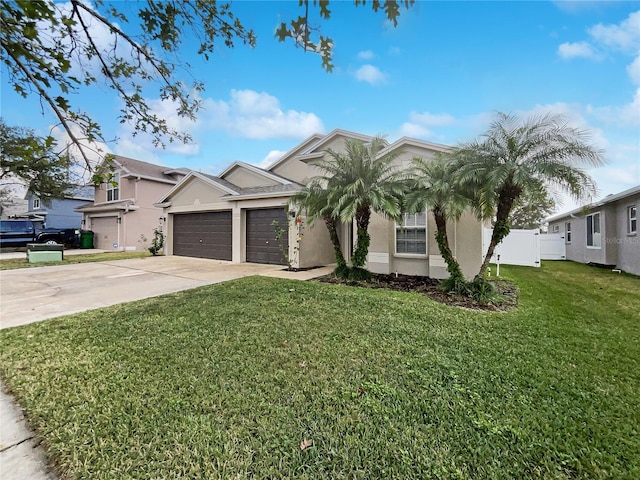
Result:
{"points": [[231, 380]]}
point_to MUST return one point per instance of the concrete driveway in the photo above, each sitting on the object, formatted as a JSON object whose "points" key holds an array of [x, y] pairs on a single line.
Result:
{"points": [[32, 294]]}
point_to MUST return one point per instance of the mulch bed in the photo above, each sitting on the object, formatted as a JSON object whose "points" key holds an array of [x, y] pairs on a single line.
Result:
{"points": [[429, 287]]}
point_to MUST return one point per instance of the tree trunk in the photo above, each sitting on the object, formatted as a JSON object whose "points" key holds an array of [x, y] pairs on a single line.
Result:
{"points": [[335, 240], [453, 267], [363, 216], [508, 194]]}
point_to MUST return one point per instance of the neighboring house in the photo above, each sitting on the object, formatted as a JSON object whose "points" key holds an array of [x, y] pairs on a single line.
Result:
{"points": [[12, 206], [123, 215], [233, 216], [58, 212], [604, 232]]}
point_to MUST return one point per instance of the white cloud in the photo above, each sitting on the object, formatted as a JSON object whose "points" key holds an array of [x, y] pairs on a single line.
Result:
{"points": [[634, 70], [366, 55], [432, 119], [370, 74], [624, 36], [272, 157], [413, 130], [575, 50], [95, 152], [258, 115], [625, 116]]}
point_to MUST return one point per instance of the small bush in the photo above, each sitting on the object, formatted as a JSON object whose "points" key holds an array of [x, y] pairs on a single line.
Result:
{"points": [[359, 274], [483, 291]]}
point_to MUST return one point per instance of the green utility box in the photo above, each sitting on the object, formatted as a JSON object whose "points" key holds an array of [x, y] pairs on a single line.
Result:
{"points": [[86, 239], [40, 253]]}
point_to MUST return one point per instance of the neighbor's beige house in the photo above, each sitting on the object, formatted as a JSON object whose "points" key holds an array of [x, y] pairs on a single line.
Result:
{"points": [[236, 215], [123, 213], [604, 232]]}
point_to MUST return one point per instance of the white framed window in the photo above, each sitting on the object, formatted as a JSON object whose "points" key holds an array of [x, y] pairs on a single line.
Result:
{"points": [[113, 188], [632, 219], [567, 232], [594, 235], [36, 203], [555, 228], [411, 235]]}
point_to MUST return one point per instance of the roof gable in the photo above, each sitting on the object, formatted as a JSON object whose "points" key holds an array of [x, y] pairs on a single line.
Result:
{"points": [[319, 148], [297, 150], [149, 171], [211, 180], [269, 178]]}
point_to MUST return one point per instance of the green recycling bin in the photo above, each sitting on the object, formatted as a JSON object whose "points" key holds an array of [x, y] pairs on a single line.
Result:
{"points": [[86, 239]]}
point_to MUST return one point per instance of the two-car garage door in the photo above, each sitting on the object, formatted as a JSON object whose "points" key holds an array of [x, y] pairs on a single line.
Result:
{"points": [[209, 235], [203, 235]]}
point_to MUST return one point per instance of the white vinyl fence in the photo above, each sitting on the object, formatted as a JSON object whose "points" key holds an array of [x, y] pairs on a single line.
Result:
{"points": [[520, 247], [552, 246]]}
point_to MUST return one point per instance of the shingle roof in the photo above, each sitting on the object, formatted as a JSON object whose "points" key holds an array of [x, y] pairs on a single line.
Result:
{"points": [[138, 167]]}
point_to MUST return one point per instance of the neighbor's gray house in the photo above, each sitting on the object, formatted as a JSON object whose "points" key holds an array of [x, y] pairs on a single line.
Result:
{"points": [[604, 232], [58, 212], [234, 216], [123, 214]]}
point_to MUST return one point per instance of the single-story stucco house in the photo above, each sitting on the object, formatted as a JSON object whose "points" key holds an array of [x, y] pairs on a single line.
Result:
{"points": [[236, 216], [604, 232]]}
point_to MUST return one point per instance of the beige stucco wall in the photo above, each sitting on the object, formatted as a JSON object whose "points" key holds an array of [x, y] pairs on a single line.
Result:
{"points": [[244, 178], [465, 240], [315, 248]]}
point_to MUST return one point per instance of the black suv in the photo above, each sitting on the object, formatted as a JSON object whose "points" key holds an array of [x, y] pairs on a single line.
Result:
{"points": [[16, 233], [62, 236]]}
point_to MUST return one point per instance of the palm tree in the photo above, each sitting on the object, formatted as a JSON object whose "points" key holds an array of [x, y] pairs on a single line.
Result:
{"points": [[360, 181], [516, 156], [314, 200], [433, 185]]}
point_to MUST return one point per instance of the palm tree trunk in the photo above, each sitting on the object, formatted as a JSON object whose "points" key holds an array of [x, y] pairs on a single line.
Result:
{"points": [[507, 196], [363, 216], [335, 240], [453, 267]]}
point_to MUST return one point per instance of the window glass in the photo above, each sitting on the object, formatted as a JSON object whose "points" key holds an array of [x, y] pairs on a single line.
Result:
{"points": [[593, 230], [113, 188], [632, 216], [411, 236], [567, 232]]}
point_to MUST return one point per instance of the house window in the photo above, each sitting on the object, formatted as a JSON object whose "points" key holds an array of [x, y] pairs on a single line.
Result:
{"points": [[36, 203], [632, 219], [411, 235], [556, 228], [593, 231], [567, 232], [113, 188]]}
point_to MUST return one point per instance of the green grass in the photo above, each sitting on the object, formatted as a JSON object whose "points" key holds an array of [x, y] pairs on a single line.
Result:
{"points": [[226, 382], [13, 263]]}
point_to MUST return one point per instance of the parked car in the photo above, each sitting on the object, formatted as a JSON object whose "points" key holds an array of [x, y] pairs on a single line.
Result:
{"points": [[61, 236], [16, 233]]}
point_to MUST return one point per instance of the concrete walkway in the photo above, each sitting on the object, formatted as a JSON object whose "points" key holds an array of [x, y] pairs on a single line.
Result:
{"points": [[35, 294]]}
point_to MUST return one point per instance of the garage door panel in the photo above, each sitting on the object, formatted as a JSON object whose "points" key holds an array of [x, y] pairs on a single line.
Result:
{"points": [[105, 231], [203, 235], [262, 246]]}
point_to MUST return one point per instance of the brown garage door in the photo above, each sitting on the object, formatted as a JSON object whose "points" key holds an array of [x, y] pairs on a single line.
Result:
{"points": [[202, 235], [105, 231], [262, 246]]}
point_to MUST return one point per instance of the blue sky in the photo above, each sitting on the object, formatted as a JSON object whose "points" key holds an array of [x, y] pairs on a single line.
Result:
{"points": [[438, 76]]}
